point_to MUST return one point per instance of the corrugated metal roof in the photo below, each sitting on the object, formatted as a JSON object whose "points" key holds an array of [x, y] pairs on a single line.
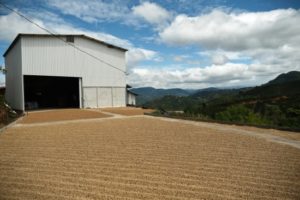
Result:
{"points": [[60, 35]]}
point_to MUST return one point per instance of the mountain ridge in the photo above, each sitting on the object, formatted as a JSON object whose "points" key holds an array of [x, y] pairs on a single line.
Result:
{"points": [[274, 104], [146, 94], [285, 77]]}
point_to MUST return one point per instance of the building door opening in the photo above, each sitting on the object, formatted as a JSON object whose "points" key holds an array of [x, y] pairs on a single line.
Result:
{"points": [[43, 92]]}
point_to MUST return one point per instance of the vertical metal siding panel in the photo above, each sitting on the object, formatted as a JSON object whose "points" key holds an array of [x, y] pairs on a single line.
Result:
{"points": [[104, 97], [129, 99], [132, 99], [97, 73], [90, 97], [48, 56], [14, 79], [80, 93], [119, 97]]}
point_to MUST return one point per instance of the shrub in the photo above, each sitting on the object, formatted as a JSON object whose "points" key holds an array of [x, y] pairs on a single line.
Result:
{"points": [[241, 114]]}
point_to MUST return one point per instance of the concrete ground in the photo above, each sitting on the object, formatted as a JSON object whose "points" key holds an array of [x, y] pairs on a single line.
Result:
{"points": [[59, 115], [128, 111], [143, 157]]}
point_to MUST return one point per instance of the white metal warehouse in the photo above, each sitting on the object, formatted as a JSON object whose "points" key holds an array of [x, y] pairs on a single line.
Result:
{"points": [[46, 71]]}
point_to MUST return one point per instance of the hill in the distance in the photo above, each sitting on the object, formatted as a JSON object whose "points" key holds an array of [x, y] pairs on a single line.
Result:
{"points": [[146, 94], [274, 104], [286, 77], [212, 93], [283, 85]]}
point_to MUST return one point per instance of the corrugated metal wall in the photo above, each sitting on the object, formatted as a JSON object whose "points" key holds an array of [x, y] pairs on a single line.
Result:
{"points": [[14, 94], [131, 99], [52, 57], [105, 98], [90, 97], [97, 97], [48, 56]]}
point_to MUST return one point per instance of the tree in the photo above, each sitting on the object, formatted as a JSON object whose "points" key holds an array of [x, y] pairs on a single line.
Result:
{"points": [[241, 114], [2, 69]]}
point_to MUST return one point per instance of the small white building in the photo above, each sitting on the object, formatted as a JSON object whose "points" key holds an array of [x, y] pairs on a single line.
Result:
{"points": [[46, 71], [131, 98]]}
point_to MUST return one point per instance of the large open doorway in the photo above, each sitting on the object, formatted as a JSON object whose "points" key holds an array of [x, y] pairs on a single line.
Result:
{"points": [[43, 92]]}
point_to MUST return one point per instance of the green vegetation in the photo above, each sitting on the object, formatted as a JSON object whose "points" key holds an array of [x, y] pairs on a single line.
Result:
{"points": [[7, 115], [241, 114], [171, 103], [275, 104], [146, 94]]}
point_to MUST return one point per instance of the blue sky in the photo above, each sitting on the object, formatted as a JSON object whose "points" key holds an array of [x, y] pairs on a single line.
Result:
{"points": [[176, 43]]}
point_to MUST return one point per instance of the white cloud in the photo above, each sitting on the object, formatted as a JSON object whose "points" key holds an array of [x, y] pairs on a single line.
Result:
{"points": [[98, 11], [190, 77], [231, 55], [178, 58], [244, 48], [15, 25], [219, 59], [235, 31], [136, 55], [152, 13], [92, 10], [226, 75], [186, 60]]}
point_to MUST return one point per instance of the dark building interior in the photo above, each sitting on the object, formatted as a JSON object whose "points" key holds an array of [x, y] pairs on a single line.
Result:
{"points": [[44, 92]]}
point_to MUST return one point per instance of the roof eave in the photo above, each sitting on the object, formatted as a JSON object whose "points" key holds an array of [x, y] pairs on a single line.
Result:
{"points": [[12, 45], [78, 35], [135, 94]]}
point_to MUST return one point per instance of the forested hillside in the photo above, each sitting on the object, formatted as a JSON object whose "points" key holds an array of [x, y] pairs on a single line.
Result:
{"points": [[276, 103], [146, 94]]}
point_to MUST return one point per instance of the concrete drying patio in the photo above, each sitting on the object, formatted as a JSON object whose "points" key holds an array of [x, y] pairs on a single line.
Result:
{"points": [[128, 111], [142, 157], [60, 115]]}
